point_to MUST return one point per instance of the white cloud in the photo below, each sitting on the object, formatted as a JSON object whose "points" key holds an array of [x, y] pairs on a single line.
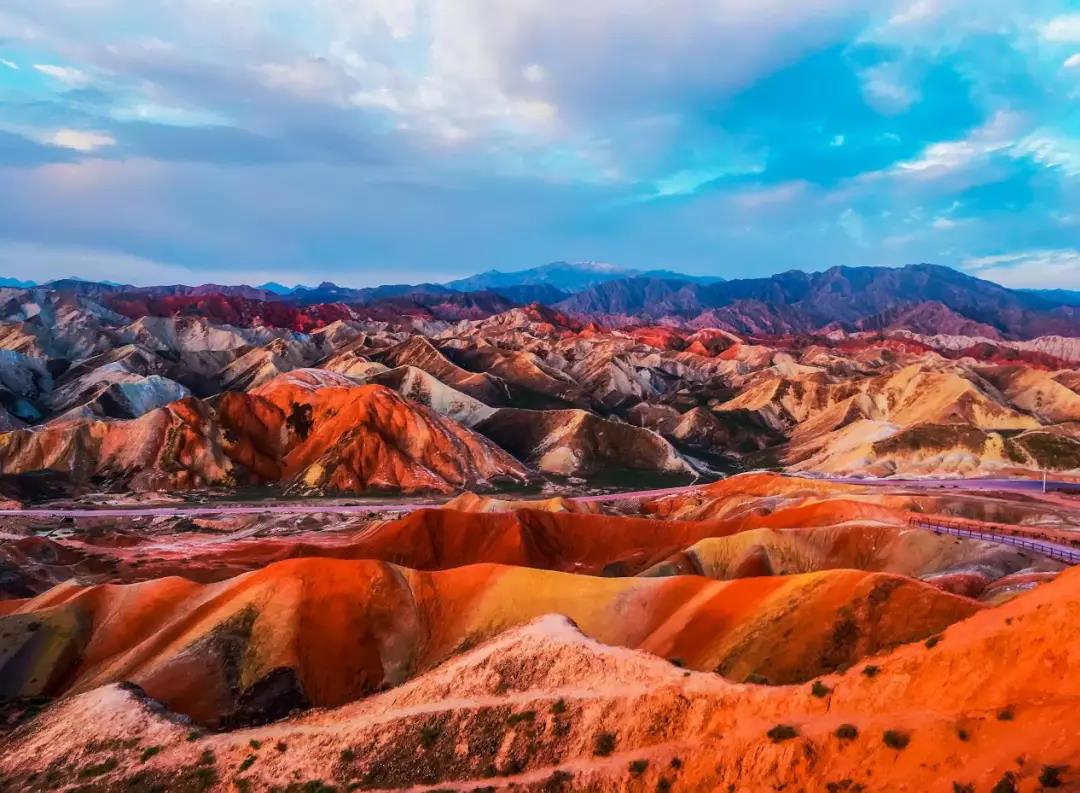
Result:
{"points": [[946, 157], [919, 11], [9, 64], [851, 223], [533, 73], [765, 197], [1063, 28], [886, 88], [1052, 149], [306, 79], [1034, 269], [444, 70], [1072, 62], [68, 75], [79, 139]]}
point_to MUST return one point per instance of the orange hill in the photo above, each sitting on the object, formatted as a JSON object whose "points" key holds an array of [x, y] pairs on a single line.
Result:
{"points": [[314, 430], [324, 632], [991, 704]]}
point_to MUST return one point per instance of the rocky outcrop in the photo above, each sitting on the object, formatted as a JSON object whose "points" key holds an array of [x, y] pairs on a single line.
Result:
{"points": [[577, 443], [313, 430]]}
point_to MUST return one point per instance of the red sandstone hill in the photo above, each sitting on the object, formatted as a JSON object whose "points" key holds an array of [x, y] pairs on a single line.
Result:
{"points": [[988, 705], [325, 632], [319, 436]]}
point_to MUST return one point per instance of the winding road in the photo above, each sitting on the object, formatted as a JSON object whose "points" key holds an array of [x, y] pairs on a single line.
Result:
{"points": [[308, 508], [298, 508], [1054, 550]]}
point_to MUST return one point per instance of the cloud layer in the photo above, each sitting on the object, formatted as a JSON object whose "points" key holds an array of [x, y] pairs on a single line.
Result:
{"points": [[351, 139]]}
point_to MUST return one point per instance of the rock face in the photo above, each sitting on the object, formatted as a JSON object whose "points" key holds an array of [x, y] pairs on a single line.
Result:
{"points": [[316, 431], [419, 386], [422, 354], [326, 434], [177, 447], [577, 443]]}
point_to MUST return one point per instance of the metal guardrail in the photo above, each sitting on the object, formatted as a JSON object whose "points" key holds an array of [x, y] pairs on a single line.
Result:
{"points": [[1054, 551]]}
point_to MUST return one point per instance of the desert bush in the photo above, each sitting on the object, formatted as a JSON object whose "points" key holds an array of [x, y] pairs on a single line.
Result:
{"points": [[895, 739], [819, 689], [1050, 776], [847, 732], [605, 744], [782, 732]]}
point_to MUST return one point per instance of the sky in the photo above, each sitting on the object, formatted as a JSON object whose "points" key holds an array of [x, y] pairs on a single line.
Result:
{"points": [[392, 141]]}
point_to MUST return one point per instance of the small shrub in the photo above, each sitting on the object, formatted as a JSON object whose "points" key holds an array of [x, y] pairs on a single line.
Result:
{"points": [[558, 706], [962, 788], [1050, 776], [1006, 714], [870, 670], [247, 763], [676, 661], [847, 732], [962, 734], [782, 732], [605, 744], [254, 744], [895, 739], [193, 736], [281, 746], [97, 769], [513, 766], [933, 641], [820, 690], [149, 752], [676, 763], [637, 767], [206, 758], [663, 785], [204, 777], [347, 755], [755, 679], [844, 786], [429, 734], [1007, 784], [517, 718], [556, 782]]}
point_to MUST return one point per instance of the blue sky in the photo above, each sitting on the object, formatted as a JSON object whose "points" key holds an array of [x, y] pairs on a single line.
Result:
{"points": [[375, 141]]}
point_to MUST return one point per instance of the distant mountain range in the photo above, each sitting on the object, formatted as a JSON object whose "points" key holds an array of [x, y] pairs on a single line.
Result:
{"points": [[849, 297], [566, 277], [1063, 296], [16, 283], [923, 298]]}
